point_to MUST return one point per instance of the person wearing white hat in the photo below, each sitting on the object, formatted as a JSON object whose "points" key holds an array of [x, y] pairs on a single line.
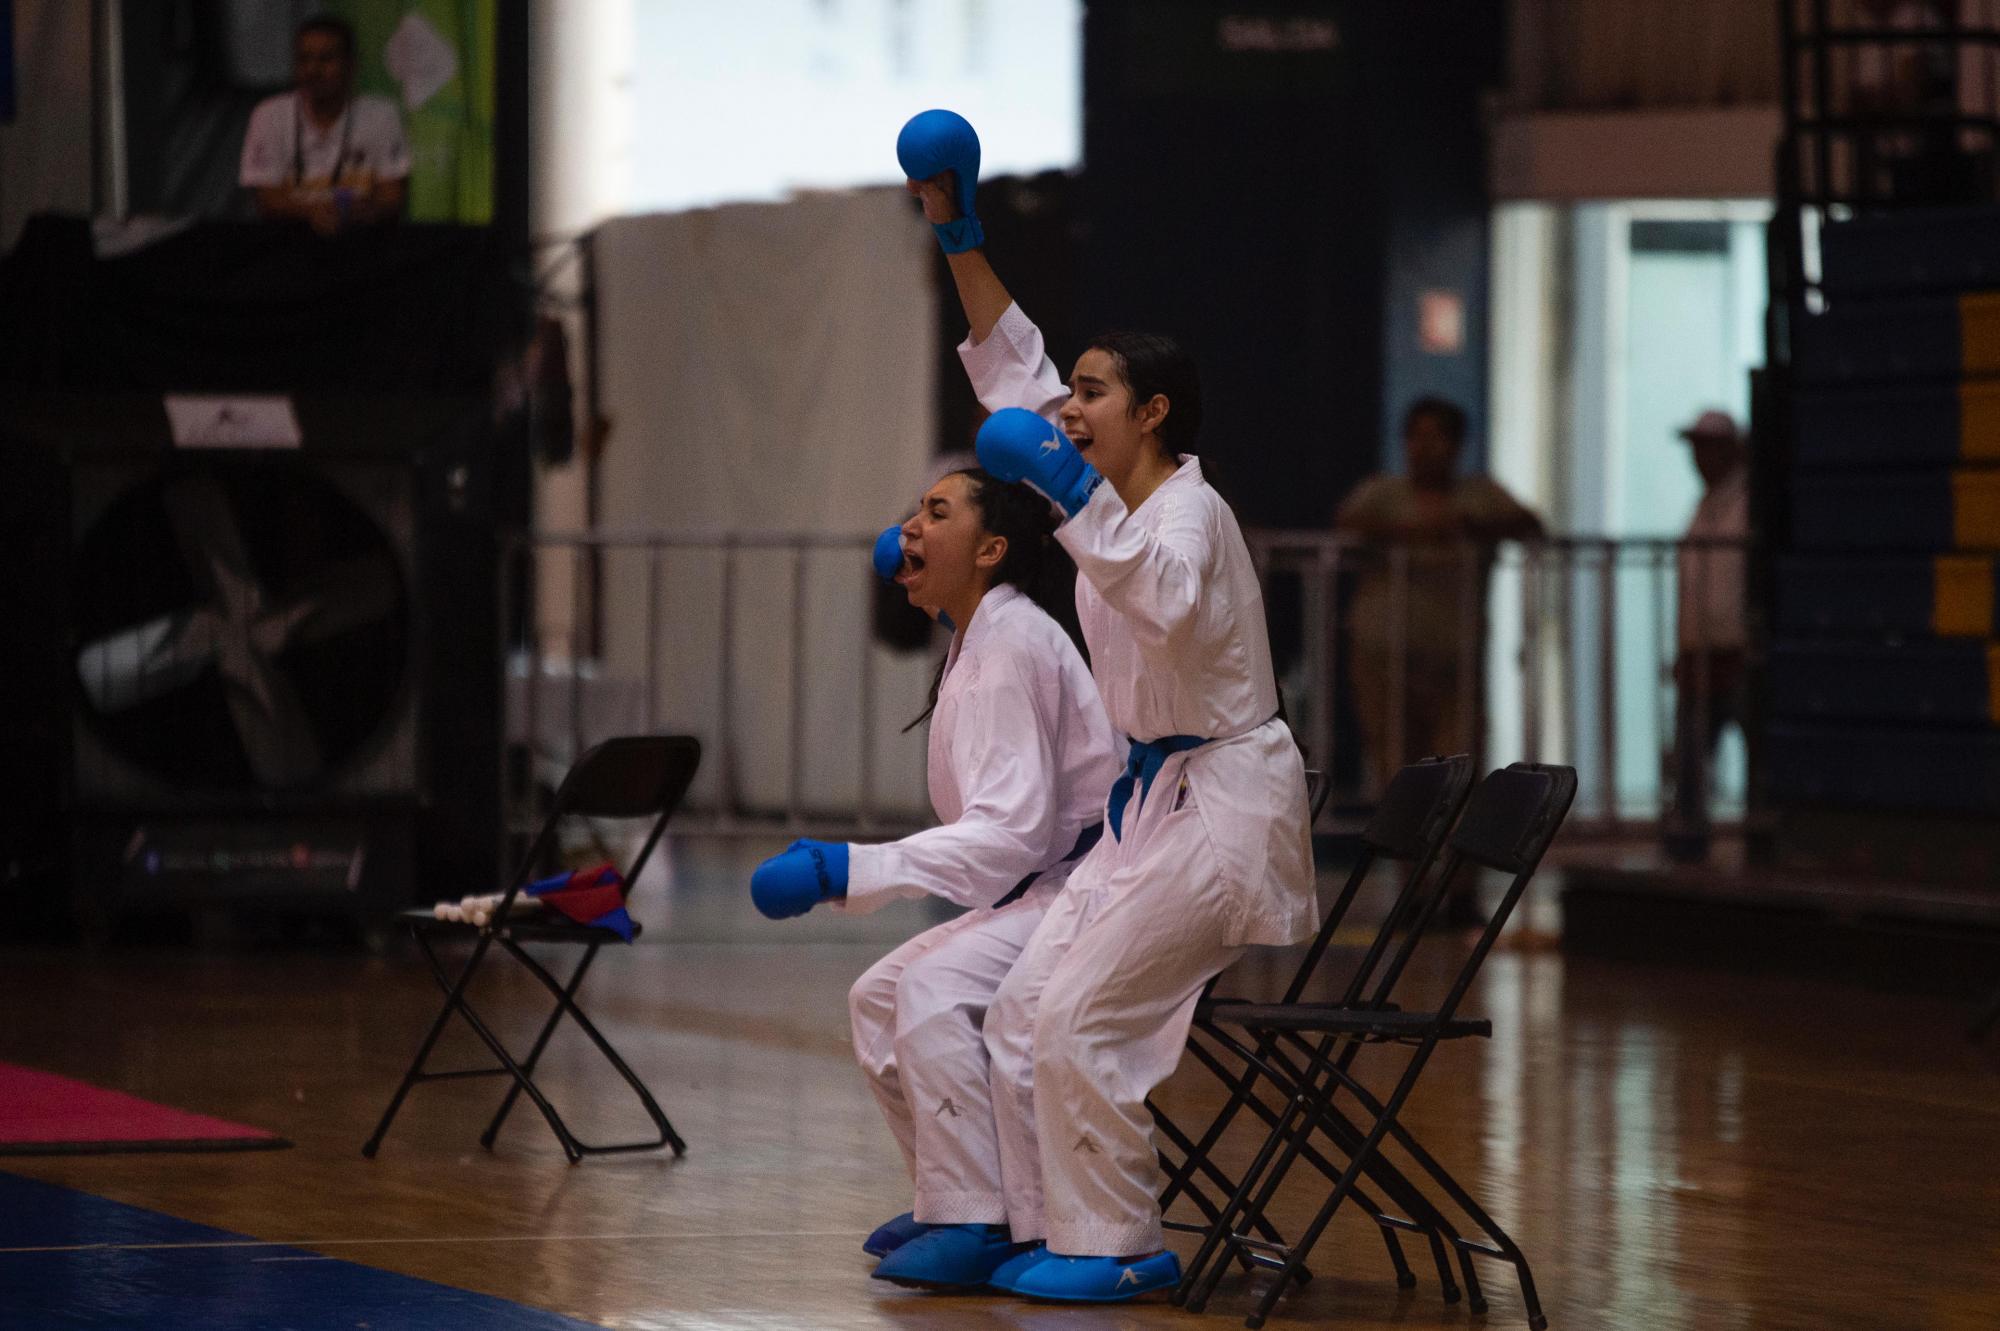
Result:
{"points": [[1710, 635]]}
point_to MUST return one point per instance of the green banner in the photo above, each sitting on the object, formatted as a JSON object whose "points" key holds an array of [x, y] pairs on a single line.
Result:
{"points": [[434, 59]]}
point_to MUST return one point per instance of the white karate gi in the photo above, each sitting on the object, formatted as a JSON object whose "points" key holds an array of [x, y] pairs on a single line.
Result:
{"points": [[1020, 757], [1095, 1014]]}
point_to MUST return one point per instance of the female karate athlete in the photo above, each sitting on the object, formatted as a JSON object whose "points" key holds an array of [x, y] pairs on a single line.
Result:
{"points": [[1206, 848], [1020, 758]]}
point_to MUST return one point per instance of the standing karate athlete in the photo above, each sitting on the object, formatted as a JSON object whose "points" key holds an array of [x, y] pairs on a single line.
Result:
{"points": [[1206, 848], [1020, 757]]}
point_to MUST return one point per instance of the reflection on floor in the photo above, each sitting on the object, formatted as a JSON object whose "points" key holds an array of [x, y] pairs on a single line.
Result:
{"points": [[1673, 1149]]}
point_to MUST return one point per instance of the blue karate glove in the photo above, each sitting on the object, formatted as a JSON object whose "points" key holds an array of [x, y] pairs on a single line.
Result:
{"points": [[808, 873], [934, 142], [888, 560], [1017, 445], [888, 554]]}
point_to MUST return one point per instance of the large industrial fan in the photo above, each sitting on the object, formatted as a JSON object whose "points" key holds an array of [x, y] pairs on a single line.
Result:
{"points": [[244, 627], [247, 681]]}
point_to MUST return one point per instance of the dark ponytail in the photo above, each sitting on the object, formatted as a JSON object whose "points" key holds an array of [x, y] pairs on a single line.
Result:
{"points": [[1034, 562]]}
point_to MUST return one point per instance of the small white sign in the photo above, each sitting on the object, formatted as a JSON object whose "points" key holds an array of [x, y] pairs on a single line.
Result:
{"points": [[419, 58], [235, 421], [1441, 322]]}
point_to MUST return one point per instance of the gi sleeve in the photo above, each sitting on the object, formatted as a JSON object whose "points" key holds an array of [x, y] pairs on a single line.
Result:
{"points": [[1004, 751], [1010, 368], [1152, 578]]}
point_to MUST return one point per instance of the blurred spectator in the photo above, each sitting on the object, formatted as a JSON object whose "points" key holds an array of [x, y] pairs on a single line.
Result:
{"points": [[1444, 525], [1710, 633], [319, 153]]}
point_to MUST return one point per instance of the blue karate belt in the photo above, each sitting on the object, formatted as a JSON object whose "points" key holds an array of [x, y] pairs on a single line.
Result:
{"points": [[1085, 839], [1142, 764]]}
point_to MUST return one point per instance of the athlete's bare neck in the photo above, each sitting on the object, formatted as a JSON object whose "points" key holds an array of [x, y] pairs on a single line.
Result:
{"points": [[1147, 475]]}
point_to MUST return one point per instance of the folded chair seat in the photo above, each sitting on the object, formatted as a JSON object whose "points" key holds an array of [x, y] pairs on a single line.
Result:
{"points": [[1332, 1019]]}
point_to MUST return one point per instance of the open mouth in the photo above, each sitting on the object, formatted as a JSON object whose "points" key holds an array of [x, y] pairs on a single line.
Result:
{"points": [[1082, 442], [913, 565]]}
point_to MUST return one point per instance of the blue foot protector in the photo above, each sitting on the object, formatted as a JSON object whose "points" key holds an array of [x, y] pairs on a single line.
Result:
{"points": [[1098, 1279], [1008, 1272], [893, 1234], [949, 1257]]}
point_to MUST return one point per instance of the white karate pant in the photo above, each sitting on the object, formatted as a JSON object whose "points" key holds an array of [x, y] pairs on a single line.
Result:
{"points": [[1094, 1015], [917, 1017]]}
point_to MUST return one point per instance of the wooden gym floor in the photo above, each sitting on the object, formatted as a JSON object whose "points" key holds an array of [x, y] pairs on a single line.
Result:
{"points": [[1673, 1149]]}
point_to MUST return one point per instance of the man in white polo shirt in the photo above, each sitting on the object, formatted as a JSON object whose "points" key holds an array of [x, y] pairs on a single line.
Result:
{"points": [[319, 153]]}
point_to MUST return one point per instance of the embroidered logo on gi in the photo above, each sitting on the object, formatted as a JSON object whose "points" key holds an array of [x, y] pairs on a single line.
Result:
{"points": [[947, 1108], [1086, 1145], [1130, 1275]]}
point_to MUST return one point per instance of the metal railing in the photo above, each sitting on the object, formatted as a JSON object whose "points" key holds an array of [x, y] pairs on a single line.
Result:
{"points": [[1888, 109], [763, 645], [1558, 650], [760, 644]]}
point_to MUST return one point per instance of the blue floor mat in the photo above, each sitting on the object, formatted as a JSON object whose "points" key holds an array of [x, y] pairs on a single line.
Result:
{"points": [[70, 1260]]}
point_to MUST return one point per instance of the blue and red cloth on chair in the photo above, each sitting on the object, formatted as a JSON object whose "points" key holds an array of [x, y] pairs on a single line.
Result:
{"points": [[594, 896]]}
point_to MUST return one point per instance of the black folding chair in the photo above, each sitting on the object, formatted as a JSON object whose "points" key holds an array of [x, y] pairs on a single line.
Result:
{"points": [[642, 776], [1509, 822], [1409, 826]]}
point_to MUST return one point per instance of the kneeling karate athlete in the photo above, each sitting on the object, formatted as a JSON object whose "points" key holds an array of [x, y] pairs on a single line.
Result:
{"points": [[1020, 757], [1206, 848]]}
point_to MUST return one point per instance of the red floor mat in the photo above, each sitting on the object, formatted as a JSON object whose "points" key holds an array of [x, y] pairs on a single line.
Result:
{"points": [[43, 1114]]}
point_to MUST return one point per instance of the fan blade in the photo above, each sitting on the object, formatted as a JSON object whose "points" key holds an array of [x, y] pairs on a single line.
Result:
{"points": [[211, 542], [148, 661], [271, 722], [344, 596]]}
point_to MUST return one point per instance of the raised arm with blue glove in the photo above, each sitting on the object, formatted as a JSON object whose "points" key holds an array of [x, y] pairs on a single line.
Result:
{"points": [[807, 873], [1017, 445], [932, 143]]}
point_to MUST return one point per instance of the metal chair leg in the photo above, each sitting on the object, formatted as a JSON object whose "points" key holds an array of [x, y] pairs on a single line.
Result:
{"points": [[1193, 1192], [487, 1137], [1345, 1134], [668, 1137], [572, 1148], [454, 997]]}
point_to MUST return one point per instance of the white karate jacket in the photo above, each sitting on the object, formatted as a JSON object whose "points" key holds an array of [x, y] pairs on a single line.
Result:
{"points": [[1171, 608], [1021, 757]]}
